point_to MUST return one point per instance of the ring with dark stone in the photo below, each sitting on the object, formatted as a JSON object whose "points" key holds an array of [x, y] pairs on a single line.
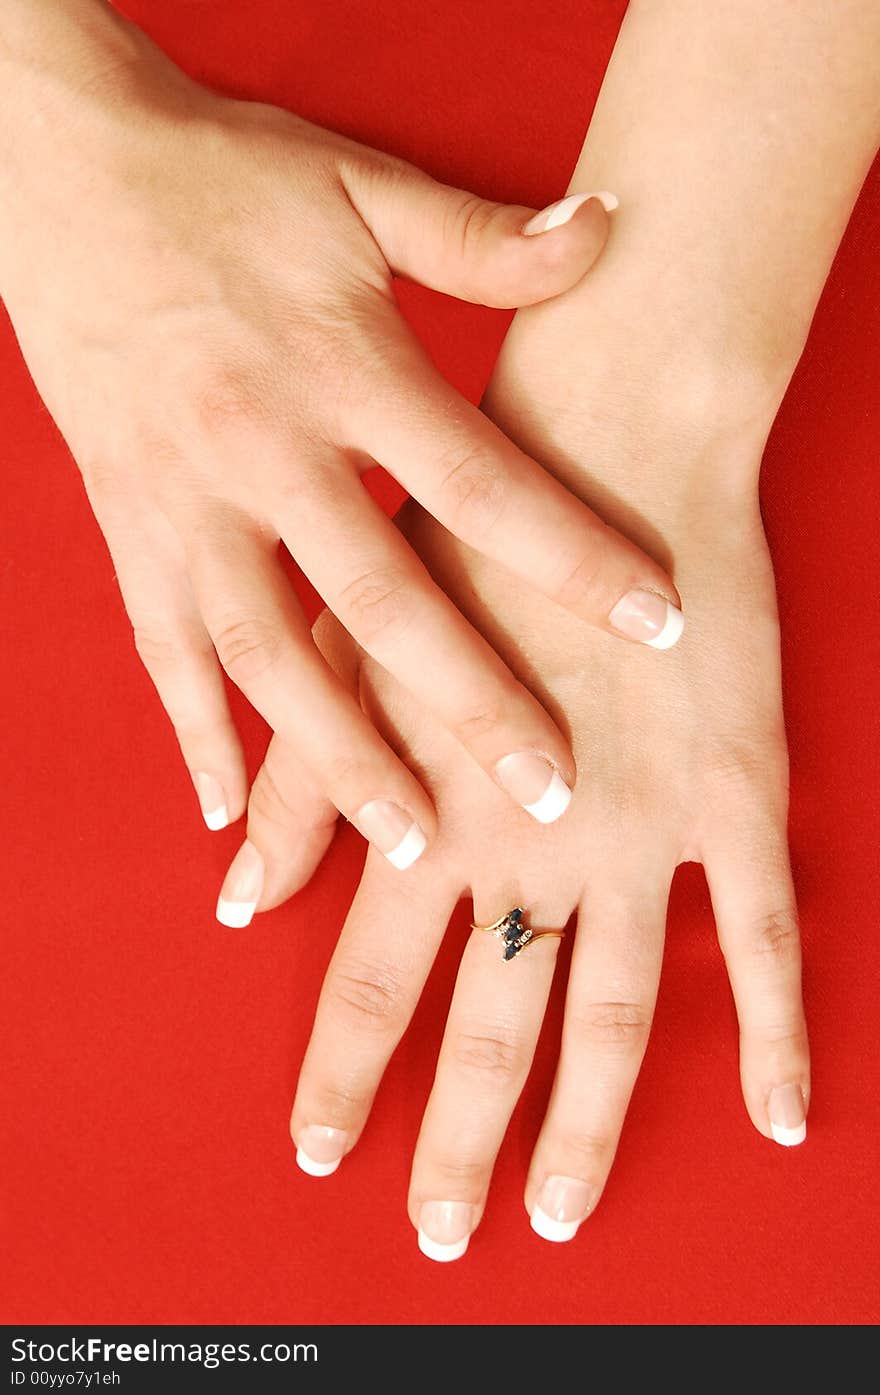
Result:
{"points": [[511, 928]]}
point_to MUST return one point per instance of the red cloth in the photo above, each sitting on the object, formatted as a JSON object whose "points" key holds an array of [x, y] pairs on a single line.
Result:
{"points": [[150, 1055]]}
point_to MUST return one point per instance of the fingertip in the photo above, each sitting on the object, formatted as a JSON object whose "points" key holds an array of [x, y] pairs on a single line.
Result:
{"points": [[532, 257], [536, 785], [778, 1110], [287, 874], [647, 618], [788, 1137], [563, 242], [392, 830], [222, 798], [242, 888], [563, 211], [320, 1148], [787, 1113]]}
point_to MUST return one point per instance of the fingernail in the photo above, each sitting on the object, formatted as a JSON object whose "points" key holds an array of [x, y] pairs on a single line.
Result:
{"points": [[211, 799], [445, 1229], [390, 829], [241, 888], [788, 1117], [562, 1205], [533, 783], [564, 210], [649, 618], [320, 1149]]}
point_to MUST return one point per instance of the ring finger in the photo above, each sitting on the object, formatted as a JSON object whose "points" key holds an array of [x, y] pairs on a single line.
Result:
{"points": [[266, 648], [493, 1026]]}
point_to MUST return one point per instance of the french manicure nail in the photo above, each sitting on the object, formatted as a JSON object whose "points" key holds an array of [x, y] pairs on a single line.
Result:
{"points": [[564, 210], [212, 800], [392, 830], [788, 1117], [241, 888], [533, 783], [320, 1149], [445, 1229], [649, 618], [562, 1205]]}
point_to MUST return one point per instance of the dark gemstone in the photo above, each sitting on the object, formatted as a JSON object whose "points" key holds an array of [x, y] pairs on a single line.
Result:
{"points": [[516, 915], [511, 951]]}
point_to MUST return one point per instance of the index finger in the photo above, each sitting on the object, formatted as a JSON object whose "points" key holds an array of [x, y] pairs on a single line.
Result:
{"points": [[384, 595], [485, 490]]}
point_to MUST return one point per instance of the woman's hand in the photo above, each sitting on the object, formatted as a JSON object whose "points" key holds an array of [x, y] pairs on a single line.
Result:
{"points": [[202, 289], [684, 761], [649, 389]]}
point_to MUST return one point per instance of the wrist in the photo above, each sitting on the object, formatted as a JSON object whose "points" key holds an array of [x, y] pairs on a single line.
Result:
{"points": [[82, 91], [68, 71], [49, 50], [612, 394]]}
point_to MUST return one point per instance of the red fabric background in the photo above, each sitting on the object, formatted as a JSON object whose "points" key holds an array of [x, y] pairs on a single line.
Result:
{"points": [[151, 1056]]}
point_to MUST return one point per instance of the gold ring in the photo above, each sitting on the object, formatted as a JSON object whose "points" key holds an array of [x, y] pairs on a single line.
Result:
{"points": [[512, 929]]}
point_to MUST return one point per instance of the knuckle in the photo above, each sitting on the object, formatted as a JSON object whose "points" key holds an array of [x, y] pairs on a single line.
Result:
{"points": [[101, 478], [158, 651], [481, 720], [587, 1154], [466, 1176], [376, 602], [344, 774], [268, 802], [494, 1053], [227, 399], [247, 647], [776, 937], [750, 767], [371, 992], [472, 492], [577, 585], [613, 1025], [336, 1103], [784, 1038], [469, 221]]}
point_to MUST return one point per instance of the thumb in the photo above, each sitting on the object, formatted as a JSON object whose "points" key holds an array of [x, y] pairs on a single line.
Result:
{"points": [[496, 254]]}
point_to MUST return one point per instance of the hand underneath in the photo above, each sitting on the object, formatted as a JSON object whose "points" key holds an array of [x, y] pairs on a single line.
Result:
{"points": [[680, 761]]}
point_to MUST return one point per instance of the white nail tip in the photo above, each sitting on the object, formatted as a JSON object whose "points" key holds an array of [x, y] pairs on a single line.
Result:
{"points": [[235, 914], [553, 802], [409, 849], [672, 630], [216, 818], [442, 1253], [789, 1138], [549, 1229], [315, 1169], [564, 211]]}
